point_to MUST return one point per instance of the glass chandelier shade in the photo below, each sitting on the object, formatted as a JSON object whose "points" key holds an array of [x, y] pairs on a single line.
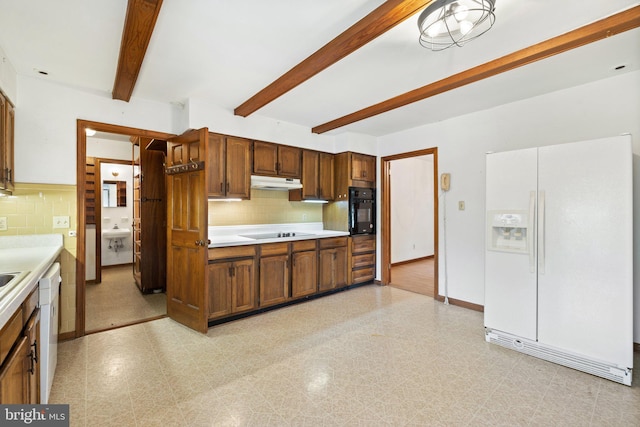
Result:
{"points": [[445, 23]]}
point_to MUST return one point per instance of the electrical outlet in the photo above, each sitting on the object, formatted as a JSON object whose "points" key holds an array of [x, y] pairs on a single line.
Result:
{"points": [[61, 221], [72, 233], [3, 223], [461, 205]]}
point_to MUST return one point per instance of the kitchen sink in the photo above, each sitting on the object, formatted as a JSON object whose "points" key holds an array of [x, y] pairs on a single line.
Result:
{"points": [[7, 280], [275, 235]]}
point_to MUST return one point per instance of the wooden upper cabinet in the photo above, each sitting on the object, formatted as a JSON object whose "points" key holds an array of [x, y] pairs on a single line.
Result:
{"points": [[317, 177], [3, 140], [276, 160], [8, 148], [363, 168], [310, 174], [216, 180], [326, 176], [238, 173], [182, 154], [229, 167], [265, 158], [7, 118], [289, 161], [353, 170]]}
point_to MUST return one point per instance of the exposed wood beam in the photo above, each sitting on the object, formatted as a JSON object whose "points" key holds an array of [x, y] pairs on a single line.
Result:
{"points": [[596, 31], [376, 23], [138, 27]]}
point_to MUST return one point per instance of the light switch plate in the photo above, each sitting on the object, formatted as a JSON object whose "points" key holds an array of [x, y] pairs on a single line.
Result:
{"points": [[3, 223], [61, 221]]}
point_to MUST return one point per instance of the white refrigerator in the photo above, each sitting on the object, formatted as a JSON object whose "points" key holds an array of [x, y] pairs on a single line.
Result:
{"points": [[559, 254]]}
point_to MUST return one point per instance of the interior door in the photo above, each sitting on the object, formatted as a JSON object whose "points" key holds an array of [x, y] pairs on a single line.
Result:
{"points": [[510, 299], [586, 269], [187, 293]]}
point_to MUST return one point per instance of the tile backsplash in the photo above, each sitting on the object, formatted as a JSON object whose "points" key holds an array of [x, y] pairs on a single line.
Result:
{"points": [[31, 210], [265, 207]]}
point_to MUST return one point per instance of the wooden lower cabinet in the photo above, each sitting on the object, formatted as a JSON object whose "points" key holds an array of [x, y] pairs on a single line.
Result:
{"points": [[232, 287], [32, 332], [363, 258], [332, 268], [14, 376], [304, 273], [243, 279], [20, 368], [274, 279]]}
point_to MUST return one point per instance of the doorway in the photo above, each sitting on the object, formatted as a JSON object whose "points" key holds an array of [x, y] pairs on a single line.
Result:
{"points": [[86, 209], [410, 221]]}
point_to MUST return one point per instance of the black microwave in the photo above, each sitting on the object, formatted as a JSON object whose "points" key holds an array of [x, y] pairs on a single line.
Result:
{"points": [[362, 211]]}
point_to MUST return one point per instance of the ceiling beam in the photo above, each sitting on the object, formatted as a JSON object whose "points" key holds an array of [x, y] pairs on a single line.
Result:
{"points": [[376, 23], [138, 27], [596, 31]]}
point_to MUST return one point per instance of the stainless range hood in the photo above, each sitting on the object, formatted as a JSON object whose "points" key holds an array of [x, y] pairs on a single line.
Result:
{"points": [[274, 183]]}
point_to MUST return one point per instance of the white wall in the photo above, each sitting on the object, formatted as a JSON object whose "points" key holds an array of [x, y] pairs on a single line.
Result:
{"points": [[412, 208], [109, 149], [120, 216], [8, 78], [604, 108], [220, 120], [46, 116], [351, 141]]}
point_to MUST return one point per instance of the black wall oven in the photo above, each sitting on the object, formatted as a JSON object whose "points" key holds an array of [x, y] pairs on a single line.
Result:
{"points": [[362, 211]]}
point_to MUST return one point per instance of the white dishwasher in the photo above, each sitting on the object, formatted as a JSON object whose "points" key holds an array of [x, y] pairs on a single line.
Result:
{"points": [[49, 305]]}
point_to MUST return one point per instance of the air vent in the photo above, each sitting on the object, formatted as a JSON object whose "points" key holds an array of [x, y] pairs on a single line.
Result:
{"points": [[570, 360]]}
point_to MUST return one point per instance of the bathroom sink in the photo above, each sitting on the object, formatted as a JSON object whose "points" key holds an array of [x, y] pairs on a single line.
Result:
{"points": [[116, 233]]}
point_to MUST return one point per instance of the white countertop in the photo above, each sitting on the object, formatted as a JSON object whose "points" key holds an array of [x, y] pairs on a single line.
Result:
{"points": [[233, 235], [31, 254]]}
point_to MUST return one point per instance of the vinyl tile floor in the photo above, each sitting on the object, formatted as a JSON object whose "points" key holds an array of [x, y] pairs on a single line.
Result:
{"points": [[117, 301], [370, 356]]}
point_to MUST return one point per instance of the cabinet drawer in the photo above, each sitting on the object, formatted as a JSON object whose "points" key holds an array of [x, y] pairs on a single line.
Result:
{"points": [[363, 275], [363, 244], [303, 245], [29, 305], [364, 260], [232, 252], [333, 242], [269, 249], [10, 333]]}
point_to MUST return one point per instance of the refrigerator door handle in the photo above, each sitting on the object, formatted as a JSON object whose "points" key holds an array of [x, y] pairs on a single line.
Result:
{"points": [[530, 231], [541, 243]]}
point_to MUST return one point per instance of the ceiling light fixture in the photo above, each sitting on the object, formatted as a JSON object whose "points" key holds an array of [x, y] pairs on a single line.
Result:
{"points": [[446, 23]]}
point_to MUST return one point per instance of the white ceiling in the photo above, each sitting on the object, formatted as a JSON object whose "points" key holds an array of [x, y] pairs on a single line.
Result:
{"points": [[226, 51]]}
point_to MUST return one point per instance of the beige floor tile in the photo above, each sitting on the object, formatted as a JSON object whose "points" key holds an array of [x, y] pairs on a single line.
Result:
{"points": [[117, 301], [371, 356]]}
